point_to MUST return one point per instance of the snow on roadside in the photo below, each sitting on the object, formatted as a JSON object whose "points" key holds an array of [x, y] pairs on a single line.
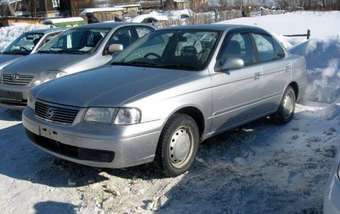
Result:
{"points": [[9, 34], [322, 59], [321, 24], [322, 51]]}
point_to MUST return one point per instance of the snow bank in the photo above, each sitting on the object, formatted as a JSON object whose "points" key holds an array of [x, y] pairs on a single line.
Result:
{"points": [[9, 34], [321, 24], [322, 51], [322, 61]]}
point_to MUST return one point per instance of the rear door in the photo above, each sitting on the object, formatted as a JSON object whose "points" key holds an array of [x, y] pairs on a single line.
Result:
{"points": [[275, 72]]}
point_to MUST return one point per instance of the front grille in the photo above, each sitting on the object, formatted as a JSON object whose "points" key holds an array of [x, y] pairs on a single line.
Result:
{"points": [[17, 79], [56, 113], [11, 95]]}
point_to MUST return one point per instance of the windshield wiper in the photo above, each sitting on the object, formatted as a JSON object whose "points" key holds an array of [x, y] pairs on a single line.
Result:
{"points": [[68, 51], [48, 51], [61, 51], [14, 53], [179, 66], [136, 63]]}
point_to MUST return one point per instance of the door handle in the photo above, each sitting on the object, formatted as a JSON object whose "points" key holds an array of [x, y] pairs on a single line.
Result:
{"points": [[257, 75]]}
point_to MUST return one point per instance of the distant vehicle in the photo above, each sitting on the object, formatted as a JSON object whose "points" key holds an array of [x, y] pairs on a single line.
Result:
{"points": [[74, 50], [332, 195], [165, 94], [65, 22], [27, 43], [155, 17]]}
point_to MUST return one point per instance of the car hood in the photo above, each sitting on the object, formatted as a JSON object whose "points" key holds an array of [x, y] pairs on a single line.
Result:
{"points": [[6, 59], [38, 63], [108, 86]]}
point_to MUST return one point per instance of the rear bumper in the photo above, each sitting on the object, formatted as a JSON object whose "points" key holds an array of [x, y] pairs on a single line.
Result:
{"points": [[95, 145], [16, 98], [332, 197]]}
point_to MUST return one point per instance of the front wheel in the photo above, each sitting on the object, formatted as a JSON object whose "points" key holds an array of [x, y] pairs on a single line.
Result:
{"points": [[286, 109], [178, 145]]}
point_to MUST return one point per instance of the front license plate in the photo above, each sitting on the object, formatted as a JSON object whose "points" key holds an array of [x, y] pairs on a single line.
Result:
{"points": [[11, 95], [48, 133]]}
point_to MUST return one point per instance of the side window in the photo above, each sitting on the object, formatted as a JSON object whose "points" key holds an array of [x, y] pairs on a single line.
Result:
{"points": [[122, 36], [48, 38], [280, 53], [142, 31], [265, 47], [238, 46]]}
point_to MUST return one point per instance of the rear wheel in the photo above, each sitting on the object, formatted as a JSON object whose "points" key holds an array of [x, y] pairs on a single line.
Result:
{"points": [[286, 109], [178, 145]]}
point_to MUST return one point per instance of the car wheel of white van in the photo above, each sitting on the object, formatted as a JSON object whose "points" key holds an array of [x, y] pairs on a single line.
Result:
{"points": [[178, 145], [286, 109]]}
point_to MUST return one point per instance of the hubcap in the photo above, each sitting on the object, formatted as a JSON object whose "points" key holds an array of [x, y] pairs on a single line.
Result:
{"points": [[288, 105], [181, 146]]}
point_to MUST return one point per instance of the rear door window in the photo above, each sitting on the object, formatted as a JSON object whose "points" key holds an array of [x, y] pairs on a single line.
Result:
{"points": [[142, 31], [265, 47], [123, 36]]}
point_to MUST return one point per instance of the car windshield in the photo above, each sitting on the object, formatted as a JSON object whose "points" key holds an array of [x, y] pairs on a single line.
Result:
{"points": [[75, 41], [173, 49], [24, 44]]}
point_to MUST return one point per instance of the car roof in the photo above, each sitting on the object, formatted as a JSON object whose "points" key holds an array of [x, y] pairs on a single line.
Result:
{"points": [[47, 30], [218, 27], [109, 25]]}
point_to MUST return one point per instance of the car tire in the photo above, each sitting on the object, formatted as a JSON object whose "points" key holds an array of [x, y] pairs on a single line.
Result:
{"points": [[286, 110], [178, 145]]}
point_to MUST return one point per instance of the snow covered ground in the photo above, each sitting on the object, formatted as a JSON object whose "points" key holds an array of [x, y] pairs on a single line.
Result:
{"points": [[258, 168]]}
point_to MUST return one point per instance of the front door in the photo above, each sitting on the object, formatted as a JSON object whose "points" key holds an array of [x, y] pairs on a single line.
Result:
{"points": [[236, 92]]}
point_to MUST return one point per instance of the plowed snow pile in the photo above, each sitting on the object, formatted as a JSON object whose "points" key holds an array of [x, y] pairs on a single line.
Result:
{"points": [[258, 168], [322, 58], [322, 51]]}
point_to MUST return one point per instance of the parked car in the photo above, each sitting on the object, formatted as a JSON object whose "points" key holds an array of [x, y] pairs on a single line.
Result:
{"points": [[27, 43], [74, 50], [332, 196], [164, 95]]}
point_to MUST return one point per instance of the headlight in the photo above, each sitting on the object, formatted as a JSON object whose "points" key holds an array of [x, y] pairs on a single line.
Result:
{"points": [[31, 100], [119, 116], [61, 74], [100, 115], [127, 116], [1, 76], [49, 76]]}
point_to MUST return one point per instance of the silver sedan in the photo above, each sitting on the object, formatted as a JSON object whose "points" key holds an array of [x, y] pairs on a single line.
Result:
{"points": [[27, 43], [75, 50], [164, 95]]}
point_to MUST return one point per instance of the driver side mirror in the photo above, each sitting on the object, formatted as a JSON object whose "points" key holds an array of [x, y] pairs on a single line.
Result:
{"points": [[231, 64], [114, 48]]}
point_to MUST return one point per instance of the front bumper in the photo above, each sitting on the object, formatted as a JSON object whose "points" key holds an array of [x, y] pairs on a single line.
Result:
{"points": [[97, 145], [16, 98], [332, 197]]}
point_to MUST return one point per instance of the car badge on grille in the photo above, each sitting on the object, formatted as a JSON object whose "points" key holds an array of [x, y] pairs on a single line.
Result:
{"points": [[14, 77], [50, 113]]}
